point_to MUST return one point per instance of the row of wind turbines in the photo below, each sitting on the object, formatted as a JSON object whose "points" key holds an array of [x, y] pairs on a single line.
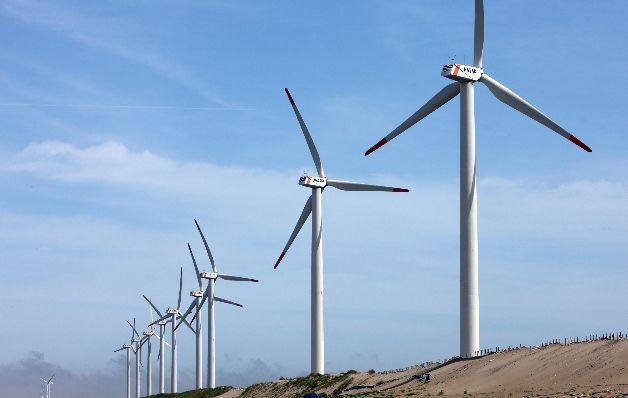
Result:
{"points": [[176, 318], [464, 78]]}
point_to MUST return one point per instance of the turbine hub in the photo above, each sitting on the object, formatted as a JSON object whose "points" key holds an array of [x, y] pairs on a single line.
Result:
{"points": [[462, 73], [313, 182]]}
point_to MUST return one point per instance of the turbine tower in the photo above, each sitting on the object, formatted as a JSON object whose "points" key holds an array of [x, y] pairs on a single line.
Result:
{"points": [[174, 314], [314, 206], [209, 293], [162, 341], [465, 78]]}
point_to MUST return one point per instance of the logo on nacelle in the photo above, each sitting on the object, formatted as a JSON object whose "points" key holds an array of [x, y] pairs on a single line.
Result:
{"points": [[462, 73], [313, 182], [209, 275]]}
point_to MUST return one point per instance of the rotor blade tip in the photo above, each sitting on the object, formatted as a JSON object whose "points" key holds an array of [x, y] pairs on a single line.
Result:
{"points": [[254, 280], [290, 97], [401, 190], [376, 146], [581, 144], [279, 259]]}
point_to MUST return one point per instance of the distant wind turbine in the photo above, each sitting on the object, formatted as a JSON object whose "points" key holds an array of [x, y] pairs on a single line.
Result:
{"points": [[48, 385], [174, 314], [465, 77], [127, 347], [162, 341], [209, 293], [314, 206]]}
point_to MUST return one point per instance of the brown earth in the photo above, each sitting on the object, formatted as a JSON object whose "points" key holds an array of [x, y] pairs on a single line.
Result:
{"points": [[584, 369]]}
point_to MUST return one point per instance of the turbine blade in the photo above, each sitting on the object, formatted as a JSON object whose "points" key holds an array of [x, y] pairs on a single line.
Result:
{"points": [[209, 253], [180, 288], [508, 97], [183, 320], [160, 319], [133, 331], [198, 274], [160, 338], [190, 308], [152, 305], [356, 186], [307, 209], [227, 301], [440, 99], [119, 349], [308, 137], [478, 37], [236, 278]]}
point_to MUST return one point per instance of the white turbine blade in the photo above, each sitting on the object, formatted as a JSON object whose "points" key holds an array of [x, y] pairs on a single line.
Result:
{"points": [[236, 278], [160, 338], [356, 186], [150, 314], [227, 301], [152, 305], [133, 327], [183, 320], [307, 209], [190, 308], [478, 37], [508, 97], [209, 253], [440, 99], [160, 319], [198, 274], [180, 287], [308, 137]]}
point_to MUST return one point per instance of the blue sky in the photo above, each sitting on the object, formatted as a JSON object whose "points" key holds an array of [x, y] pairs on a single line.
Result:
{"points": [[122, 122]]}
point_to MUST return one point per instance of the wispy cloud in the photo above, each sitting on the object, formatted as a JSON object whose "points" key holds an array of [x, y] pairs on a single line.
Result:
{"points": [[108, 35]]}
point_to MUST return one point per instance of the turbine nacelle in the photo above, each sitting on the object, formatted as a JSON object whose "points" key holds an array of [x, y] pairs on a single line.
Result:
{"points": [[209, 275], [172, 311], [196, 293], [126, 346], [462, 73], [148, 333], [313, 182]]}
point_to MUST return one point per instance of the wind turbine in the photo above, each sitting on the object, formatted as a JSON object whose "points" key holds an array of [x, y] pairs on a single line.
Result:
{"points": [[162, 341], [197, 294], [48, 384], [465, 77], [314, 206], [209, 293], [136, 346], [173, 313], [127, 347]]}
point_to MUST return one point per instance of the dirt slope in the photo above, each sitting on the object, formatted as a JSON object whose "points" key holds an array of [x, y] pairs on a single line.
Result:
{"points": [[596, 368]]}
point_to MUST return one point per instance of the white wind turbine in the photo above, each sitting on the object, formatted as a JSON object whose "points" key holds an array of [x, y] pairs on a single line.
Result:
{"points": [[160, 355], [127, 347], [136, 346], [174, 314], [209, 293], [314, 206], [465, 77], [197, 294], [48, 385]]}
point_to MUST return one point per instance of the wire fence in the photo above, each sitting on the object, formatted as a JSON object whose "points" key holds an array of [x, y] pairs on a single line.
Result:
{"points": [[564, 341]]}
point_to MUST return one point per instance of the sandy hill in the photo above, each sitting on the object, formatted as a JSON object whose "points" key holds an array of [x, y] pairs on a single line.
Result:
{"points": [[595, 368]]}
